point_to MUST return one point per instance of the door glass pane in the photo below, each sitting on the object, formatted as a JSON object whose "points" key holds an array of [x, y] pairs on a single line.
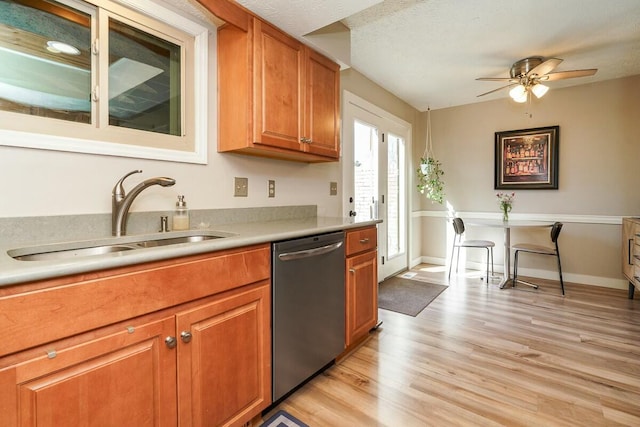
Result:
{"points": [[144, 81], [45, 60], [395, 200], [365, 170]]}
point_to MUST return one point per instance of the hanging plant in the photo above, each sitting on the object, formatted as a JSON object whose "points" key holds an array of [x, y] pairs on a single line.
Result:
{"points": [[430, 179], [430, 172]]}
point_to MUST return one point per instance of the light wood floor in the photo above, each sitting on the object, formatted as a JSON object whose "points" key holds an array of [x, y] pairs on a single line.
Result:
{"points": [[482, 356]]}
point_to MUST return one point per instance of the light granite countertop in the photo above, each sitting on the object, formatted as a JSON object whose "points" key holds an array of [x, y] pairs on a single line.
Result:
{"points": [[13, 271]]}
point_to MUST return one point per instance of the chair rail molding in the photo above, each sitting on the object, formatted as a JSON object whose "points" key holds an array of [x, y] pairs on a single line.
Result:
{"points": [[566, 218]]}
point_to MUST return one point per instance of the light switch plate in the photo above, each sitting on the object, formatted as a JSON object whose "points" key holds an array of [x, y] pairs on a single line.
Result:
{"points": [[333, 188], [272, 188], [241, 187]]}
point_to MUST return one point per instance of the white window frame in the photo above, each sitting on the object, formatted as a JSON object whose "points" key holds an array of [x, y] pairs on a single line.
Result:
{"points": [[58, 135]]}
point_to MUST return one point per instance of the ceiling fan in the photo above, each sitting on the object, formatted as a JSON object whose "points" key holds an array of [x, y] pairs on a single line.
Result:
{"points": [[528, 73]]}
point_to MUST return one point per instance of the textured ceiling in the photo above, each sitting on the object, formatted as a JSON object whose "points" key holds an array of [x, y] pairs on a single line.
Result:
{"points": [[429, 52], [304, 16]]}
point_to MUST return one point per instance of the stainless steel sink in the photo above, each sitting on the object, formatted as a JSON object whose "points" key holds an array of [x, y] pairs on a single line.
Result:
{"points": [[82, 249], [176, 240]]}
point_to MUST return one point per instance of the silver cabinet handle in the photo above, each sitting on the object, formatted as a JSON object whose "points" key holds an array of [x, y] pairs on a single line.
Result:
{"points": [[365, 240], [186, 336], [171, 342], [352, 270]]}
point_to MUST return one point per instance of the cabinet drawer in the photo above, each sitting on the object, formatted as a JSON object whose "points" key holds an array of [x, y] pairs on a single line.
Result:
{"points": [[361, 240]]}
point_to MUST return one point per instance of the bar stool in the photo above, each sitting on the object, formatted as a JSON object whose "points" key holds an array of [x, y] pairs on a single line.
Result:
{"points": [[459, 242], [540, 250]]}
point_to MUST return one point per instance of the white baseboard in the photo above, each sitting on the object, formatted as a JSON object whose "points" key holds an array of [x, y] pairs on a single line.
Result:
{"points": [[605, 282]]}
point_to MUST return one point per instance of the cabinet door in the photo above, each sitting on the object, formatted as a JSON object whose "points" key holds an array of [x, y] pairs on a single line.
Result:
{"points": [[628, 228], [322, 106], [224, 367], [127, 378], [362, 295], [278, 98]]}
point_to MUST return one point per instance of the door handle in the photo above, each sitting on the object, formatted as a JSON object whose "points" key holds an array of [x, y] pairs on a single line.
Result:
{"points": [[289, 256]]}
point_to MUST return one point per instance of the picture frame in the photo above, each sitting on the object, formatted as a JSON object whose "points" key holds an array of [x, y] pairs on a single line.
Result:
{"points": [[527, 159]]}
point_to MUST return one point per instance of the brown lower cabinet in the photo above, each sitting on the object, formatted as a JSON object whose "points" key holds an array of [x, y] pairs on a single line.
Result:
{"points": [[224, 373], [631, 252], [361, 284], [193, 350], [119, 379]]}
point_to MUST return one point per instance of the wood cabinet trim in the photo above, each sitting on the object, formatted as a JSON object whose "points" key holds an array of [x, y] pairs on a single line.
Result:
{"points": [[229, 12]]}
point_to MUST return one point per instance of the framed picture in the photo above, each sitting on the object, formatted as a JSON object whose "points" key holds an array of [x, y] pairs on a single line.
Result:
{"points": [[527, 159]]}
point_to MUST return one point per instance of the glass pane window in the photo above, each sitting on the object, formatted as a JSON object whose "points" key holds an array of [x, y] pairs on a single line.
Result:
{"points": [[395, 191], [109, 77], [144, 81], [365, 153], [45, 60]]}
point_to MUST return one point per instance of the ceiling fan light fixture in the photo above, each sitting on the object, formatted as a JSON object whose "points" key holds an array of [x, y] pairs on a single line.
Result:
{"points": [[539, 90], [526, 75], [522, 98], [518, 93]]}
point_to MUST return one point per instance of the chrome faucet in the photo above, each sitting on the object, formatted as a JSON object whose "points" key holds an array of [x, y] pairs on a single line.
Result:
{"points": [[121, 202]]}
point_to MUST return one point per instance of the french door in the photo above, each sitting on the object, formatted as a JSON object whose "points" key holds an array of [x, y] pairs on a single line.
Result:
{"points": [[375, 145]]}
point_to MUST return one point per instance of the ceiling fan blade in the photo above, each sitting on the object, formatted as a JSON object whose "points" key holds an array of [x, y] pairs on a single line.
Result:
{"points": [[568, 74], [495, 90], [495, 79], [545, 67]]}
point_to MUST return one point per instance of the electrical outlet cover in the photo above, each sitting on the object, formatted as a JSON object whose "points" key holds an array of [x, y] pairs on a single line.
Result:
{"points": [[241, 187], [272, 188]]}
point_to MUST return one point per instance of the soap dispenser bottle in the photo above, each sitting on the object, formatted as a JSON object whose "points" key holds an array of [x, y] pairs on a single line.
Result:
{"points": [[181, 215]]}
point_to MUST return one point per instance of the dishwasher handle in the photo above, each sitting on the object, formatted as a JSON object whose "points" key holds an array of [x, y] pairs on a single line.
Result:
{"points": [[307, 253]]}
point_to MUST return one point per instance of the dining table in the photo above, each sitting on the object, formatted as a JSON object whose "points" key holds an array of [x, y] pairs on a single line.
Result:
{"points": [[507, 226]]}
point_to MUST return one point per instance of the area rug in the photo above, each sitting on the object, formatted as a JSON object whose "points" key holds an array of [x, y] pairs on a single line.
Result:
{"points": [[407, 296], [283, 419]]}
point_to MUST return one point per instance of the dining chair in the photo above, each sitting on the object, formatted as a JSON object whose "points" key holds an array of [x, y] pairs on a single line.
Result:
{"points": [[540, 250], [460, 242]]}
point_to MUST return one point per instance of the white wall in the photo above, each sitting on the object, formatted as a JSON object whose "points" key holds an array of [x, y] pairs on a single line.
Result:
{"points": [[40, 182]]}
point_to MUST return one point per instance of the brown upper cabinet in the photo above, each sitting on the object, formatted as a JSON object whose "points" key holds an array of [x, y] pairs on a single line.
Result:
{"points": [[276, 97]]}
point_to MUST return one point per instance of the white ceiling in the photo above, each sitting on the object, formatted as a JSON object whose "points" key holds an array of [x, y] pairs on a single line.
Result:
{"points": [[429, 52]]}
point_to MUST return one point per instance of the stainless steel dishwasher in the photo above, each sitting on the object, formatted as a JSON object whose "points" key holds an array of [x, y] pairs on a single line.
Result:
{"points": [[308, 308]]}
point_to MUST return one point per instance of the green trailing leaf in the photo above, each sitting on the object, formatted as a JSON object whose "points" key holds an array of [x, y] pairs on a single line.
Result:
{"points": [[430, 181]]}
